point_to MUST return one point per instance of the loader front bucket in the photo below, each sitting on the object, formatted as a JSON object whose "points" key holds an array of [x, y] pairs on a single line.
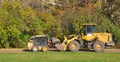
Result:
{"points": [[61, 46]]}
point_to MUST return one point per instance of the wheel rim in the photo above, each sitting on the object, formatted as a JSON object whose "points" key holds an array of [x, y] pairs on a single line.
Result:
{"points": [[98, 46], [34, 49], [44, 48], [73, 46]]}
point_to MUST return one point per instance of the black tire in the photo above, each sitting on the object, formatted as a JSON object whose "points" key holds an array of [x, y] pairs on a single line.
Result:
{"points": [[74, 46], [35, 49], [98, 46], [44, 48]]}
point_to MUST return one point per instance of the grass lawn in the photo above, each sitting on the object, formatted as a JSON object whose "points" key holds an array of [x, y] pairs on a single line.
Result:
{"points": [[60, 57]]}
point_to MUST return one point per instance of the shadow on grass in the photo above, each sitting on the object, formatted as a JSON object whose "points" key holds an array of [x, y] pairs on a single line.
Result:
{"points": [[56, 50], [26, 50]]}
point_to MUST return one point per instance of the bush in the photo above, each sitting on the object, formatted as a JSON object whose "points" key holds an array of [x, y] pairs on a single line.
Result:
{"points": [[17, 24]]}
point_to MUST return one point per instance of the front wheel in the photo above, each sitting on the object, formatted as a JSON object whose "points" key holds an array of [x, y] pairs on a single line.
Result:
{"points": [[98, 46], [35, 49], [74, 46]]}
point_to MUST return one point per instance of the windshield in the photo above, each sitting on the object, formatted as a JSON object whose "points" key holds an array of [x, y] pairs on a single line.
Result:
{"points": [[40, 40], [89, 29]]}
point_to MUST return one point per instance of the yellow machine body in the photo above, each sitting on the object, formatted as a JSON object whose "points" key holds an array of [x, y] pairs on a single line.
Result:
{"points": [[89, 38], [104, 37], [63, 46]]}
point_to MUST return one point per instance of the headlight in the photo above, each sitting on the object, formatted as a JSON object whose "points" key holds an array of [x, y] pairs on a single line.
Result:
{"points": [[30, 44]]}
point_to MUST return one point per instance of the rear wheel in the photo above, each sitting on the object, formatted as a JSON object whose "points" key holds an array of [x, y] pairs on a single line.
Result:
{"points": [[98, 46], [74, 46], [35, 49], [44, 48]]}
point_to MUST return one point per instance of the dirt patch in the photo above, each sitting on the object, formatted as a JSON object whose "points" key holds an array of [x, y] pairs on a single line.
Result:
{"points": [[112, 50], [11, 50]]}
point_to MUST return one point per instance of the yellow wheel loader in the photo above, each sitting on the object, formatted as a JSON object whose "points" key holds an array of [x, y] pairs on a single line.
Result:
{"points": [[89, 39]]}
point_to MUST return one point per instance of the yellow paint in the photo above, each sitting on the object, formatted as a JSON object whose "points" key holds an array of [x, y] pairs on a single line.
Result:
{"points": [[45, 48], [104, 37], [73, 46], [40, 48], [30, 45], [69, 40]]}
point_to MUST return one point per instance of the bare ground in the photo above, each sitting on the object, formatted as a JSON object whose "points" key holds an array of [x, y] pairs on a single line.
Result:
{"points": [[11, 50], [112, 50], [51, 50]]}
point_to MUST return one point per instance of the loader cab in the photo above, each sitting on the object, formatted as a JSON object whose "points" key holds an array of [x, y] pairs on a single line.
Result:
{"points": [[89, 28]]}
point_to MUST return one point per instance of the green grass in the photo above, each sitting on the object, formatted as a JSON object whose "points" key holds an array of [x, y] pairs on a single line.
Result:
{"points": [[60, 57]]}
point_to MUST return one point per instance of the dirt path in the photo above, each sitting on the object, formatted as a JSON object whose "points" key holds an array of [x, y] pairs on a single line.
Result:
{"points": [[11, 50], [21, 50], [112, 50]]}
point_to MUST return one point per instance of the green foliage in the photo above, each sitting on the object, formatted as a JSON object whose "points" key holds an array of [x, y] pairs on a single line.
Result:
{"points": [[18, 24], [19, 20], [12, 24]]}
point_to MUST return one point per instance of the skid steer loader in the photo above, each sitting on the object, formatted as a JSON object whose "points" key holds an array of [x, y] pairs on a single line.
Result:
{"points": [[89, 39], [38, 43], [41, 43]]}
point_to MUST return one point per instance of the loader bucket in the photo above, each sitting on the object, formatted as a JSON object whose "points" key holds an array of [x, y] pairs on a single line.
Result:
{"points": [[61, 46]]}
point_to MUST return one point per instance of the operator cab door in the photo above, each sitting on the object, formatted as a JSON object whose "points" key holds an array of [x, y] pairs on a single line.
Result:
{"points": [[88, 31]]}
